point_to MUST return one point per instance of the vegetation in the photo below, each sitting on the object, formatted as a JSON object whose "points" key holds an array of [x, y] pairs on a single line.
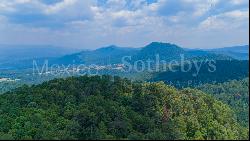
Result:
{"points": [[237, 52], [23, 76], [235, 94], [6, 86], [113, 108], [225, 71]]}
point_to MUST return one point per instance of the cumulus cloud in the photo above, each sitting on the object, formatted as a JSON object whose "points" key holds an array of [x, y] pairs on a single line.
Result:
{"points": [[127, 22], [71, 9], [231, 19]]}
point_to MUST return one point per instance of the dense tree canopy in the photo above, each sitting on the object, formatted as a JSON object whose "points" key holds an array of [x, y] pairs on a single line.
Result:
{"points": [[224, 71], [235, 94], [104, 107]]}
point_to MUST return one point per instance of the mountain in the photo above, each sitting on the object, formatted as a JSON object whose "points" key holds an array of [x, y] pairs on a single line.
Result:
{"points": [[111, 55], [103, 56], [114, 54], [104, 107], [169, 52], [237, 52], [166, 51]]}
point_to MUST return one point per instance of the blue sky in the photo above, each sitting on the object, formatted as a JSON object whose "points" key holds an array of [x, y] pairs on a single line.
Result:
{"points": [[129, 23]]}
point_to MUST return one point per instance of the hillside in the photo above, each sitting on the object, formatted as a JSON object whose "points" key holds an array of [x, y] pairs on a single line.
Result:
{"points": [[224, 71], [114, 108], [103, 56], [235, 94], [237, 52], [166, 51]]}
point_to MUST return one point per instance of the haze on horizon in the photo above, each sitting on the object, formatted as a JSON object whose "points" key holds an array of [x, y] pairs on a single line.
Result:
{"points": [[89, 24]]}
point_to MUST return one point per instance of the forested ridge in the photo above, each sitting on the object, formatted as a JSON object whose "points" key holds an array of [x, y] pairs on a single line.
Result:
{"points": [[226, 70], [105, 107]]}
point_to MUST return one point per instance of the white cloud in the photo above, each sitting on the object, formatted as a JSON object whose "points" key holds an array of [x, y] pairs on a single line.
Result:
{"points": [[116, 4], [237, 14], [238, 2], [125, 22], [231, 19], [5, 6], [52, 9], [71, 10]]}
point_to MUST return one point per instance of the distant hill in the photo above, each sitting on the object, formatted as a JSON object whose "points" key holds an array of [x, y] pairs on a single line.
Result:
{"points": [[166, 51], [106, 55], [103, 56], [114, 54], [169, 52], [237, 52]]}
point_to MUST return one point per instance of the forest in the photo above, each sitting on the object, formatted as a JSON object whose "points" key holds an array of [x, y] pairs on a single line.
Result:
{"points": [[226, 70], [233, 93], [106, 107], [124, 70]]}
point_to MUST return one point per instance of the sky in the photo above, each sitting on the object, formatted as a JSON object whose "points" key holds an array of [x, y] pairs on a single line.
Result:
{"points": [[89, 24]]}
